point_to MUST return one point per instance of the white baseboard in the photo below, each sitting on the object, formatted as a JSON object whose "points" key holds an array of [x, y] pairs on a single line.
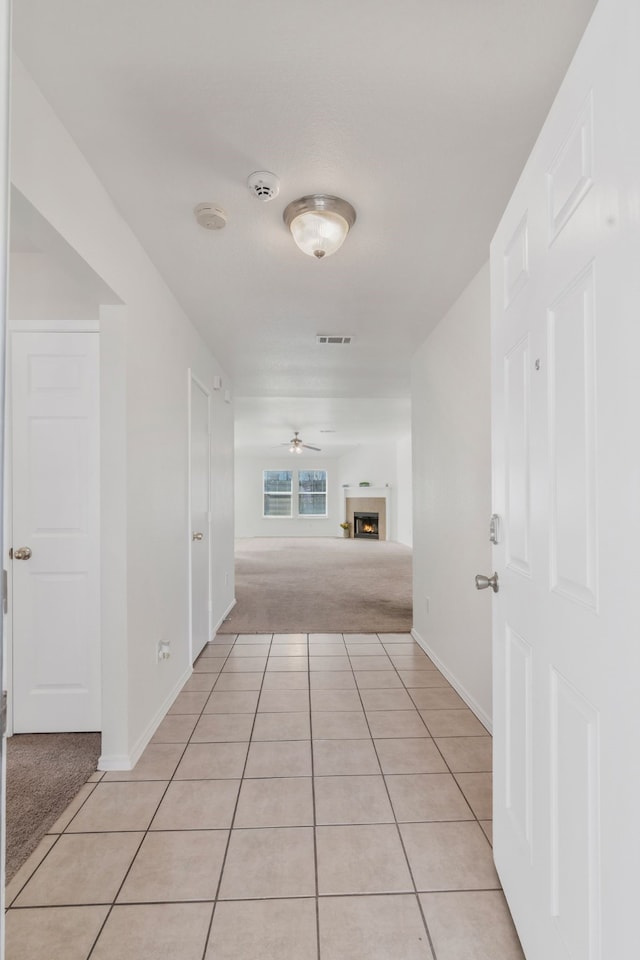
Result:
{"points": [[224, 616], [128, 761], [471, 702], [115, 761]]}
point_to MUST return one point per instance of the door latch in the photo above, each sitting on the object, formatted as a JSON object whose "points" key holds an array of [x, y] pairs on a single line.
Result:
{"points": [[494, 528]]}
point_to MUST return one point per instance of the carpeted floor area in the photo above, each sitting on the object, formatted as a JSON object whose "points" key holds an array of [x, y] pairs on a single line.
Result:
{"points": [[321, 585], [44, 773]]}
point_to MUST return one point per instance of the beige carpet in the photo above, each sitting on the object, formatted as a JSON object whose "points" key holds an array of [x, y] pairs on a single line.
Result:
{"points": [[321, 585], [44, 773]]}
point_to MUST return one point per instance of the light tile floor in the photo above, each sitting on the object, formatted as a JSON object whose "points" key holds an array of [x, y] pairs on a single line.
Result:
{"points": [[320, 797]]}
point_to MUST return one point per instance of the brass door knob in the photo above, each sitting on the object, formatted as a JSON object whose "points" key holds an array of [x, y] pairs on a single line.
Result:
{"points": [[197, 536], [22, 553]]}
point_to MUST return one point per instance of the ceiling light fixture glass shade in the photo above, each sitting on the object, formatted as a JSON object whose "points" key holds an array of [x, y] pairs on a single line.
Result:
{"points": [[319, 223]]}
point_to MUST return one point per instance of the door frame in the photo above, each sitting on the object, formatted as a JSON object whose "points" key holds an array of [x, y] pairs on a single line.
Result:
{"points": [[193, 379], [5, 84]]}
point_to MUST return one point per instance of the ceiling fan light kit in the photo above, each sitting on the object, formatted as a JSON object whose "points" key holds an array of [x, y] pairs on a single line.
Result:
{"points": [[319, 223], [297, 446]]}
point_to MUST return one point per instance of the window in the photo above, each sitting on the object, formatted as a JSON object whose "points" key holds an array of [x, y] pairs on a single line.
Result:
{"points": [[277, 492], [312, 493], [306, 488]]}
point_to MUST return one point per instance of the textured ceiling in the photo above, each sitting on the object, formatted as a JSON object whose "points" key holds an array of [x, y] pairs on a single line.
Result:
{"points": [[421, 113]]}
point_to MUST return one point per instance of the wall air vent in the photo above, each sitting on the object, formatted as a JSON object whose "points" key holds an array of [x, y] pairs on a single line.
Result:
{"points": [[328, 338]]}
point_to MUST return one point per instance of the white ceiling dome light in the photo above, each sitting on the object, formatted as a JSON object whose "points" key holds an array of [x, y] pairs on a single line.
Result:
{"points": [[319, 223]]}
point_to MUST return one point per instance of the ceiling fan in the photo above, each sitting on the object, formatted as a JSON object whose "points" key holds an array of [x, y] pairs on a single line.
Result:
{"points": [[296, 445]]}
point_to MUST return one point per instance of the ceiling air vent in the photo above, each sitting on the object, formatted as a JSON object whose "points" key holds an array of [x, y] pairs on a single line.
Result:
{"points": [[327, 338]]}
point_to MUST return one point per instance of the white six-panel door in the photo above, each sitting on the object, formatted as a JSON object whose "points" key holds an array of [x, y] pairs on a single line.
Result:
{"points": [[55, 516], [566, 408]]}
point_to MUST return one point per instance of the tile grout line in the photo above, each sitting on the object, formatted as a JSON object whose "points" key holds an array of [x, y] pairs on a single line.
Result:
{"points": [[33, 872], [450, 771], [148, 829], [57, 836], [476, 819], [452, 774], [235, 808], [397, 826], [332, 896], [313, 803]]}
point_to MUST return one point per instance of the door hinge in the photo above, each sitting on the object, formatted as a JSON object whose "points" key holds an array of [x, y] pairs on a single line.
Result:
{"points": [[3, 714]]}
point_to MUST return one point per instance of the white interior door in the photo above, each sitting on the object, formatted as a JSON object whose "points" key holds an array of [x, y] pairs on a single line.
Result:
{"points": [[200, 514], [55, 532], [566, 401]]}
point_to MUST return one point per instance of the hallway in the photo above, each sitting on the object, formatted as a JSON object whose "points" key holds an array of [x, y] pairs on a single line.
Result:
{"points": [[233, 839]]}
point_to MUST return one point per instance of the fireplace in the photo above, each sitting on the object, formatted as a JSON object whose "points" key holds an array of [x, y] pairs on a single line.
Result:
{"points": [[365, 526], [368, 502]]}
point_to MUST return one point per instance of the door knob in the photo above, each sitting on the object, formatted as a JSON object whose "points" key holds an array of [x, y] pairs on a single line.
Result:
{"points": [[483, 582], [22, 553], [197, 536]]}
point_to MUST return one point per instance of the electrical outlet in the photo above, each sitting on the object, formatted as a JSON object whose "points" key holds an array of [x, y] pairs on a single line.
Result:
{"points": [[164, 650]]}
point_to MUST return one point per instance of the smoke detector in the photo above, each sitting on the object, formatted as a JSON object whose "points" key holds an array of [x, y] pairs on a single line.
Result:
{"points": [[210, 217], [263, 185]]}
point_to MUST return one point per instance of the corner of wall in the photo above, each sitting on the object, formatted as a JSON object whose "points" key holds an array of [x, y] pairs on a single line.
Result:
{"points": [[113, 536], [451, 400]]}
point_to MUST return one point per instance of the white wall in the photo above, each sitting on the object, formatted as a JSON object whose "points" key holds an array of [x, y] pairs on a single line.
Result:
{"points": [[403, 494], [249, 519], [150, 349], [42, 296], [452, 493], [374, 463]]}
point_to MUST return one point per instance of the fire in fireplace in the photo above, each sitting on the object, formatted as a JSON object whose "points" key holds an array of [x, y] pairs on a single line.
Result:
{"points": [[365, 526]]}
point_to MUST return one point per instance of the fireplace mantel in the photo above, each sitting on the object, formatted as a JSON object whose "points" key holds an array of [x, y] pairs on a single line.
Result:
{"points": [[357, 491]]}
